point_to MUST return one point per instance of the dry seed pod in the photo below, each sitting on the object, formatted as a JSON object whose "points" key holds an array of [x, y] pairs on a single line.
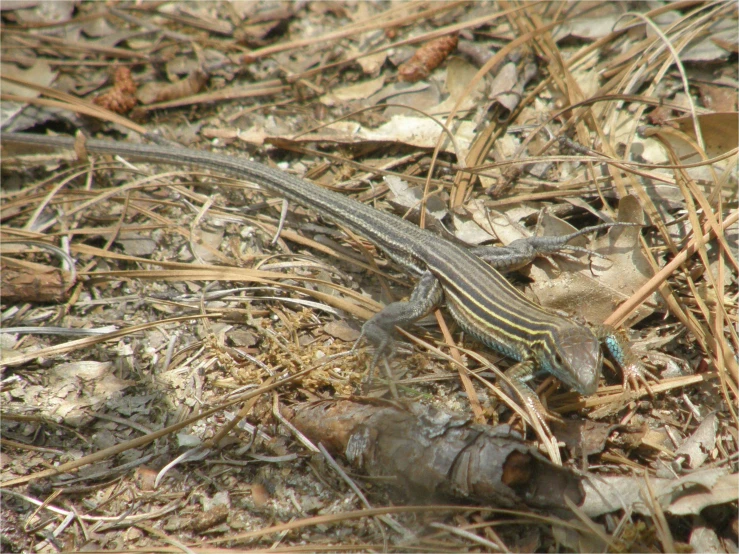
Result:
{"points": [[427, 58], [119, 99]]}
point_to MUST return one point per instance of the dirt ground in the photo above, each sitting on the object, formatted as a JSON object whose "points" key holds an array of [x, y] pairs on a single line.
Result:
{"points": [[183, 368]]}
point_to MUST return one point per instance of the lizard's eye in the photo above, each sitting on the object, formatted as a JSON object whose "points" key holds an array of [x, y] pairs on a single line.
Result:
{"points": [[558, 359]]}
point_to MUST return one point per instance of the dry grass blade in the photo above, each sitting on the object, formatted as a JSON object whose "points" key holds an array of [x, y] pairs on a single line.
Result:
{"points": [[68, 102]]}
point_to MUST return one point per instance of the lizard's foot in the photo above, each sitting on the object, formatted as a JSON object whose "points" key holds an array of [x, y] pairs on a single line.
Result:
{"points": [[635, 374], [384, 350], [617, 343], [534, 407], [525, 396]]}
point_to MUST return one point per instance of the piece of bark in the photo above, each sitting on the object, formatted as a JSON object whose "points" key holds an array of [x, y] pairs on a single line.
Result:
{"points": [[22, 281], [429, 454]]}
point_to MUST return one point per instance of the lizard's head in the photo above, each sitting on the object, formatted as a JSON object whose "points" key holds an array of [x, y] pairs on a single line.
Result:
{"points": [[576, 358]]}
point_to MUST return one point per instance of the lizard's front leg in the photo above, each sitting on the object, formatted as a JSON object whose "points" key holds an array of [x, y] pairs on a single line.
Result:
{"points": [[520, 374], [379, 329]]}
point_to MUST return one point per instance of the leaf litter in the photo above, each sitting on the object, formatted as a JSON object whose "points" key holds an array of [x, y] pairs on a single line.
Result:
{"points": [[542, 118]]}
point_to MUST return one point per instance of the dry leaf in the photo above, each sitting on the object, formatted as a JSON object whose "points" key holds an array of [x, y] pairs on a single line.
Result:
{"points": [[419, 132], [74, 391], [594, 288], [40, 73], [358, 91], [720, 133], [696, 449], [683, 496]]}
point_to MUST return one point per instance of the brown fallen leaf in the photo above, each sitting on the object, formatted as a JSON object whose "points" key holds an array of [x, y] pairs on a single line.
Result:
{"points": [[342, 331], [593, 288], [584, 437], [720, 134], [719, 98]]}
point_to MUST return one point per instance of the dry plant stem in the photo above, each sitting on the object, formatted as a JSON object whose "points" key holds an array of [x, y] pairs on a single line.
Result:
{"points": [[265, 277], [594, 528], [676, 60], [690, 190], [573, 121], [492, 546], [363, 499], [563, 78], [277, 414], [689, 193], [358, 514], [70, 102], [370, 266], [658, 517], [243, 412], [86, 48], [357, 165], [580, 109], [619, 316], [119, 224], [379, 21], [614, 394], [164, 537], [266, 88], [720, 348], [640, 110], [449, 29], [625, 165], [474, 400], [646, 200], [514, 407], [420, 38], [70, 346], [716, 342], [572, 63], [677, 309], [104, 523], [138, 22], [232, 273]]}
